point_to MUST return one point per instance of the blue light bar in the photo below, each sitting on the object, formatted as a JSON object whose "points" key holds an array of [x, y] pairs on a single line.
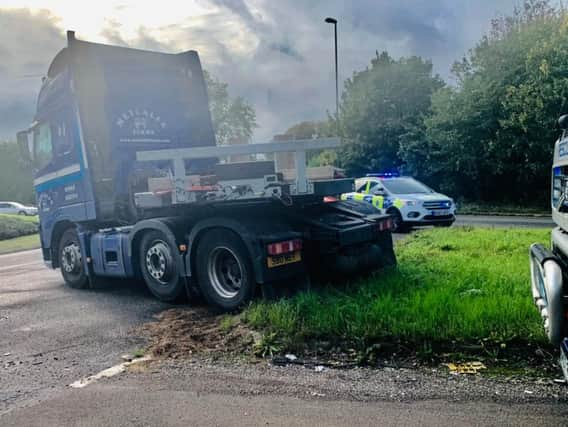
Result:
{"points": [[383, 175]]}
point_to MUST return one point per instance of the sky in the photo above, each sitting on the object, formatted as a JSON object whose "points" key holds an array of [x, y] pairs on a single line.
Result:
{"points": [[277, 54]]}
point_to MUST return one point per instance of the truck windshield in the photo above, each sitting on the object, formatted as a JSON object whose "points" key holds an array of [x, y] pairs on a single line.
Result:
{"points": [[405, 186]]}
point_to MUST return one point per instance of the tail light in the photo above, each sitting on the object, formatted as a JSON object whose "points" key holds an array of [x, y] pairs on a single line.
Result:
{"points": [[330, 199], [284, 247], [384, 224]]}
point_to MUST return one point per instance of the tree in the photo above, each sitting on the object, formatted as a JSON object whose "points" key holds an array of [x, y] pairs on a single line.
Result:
{"points": [[234, 119], [380, 107], [491, 137], [311, 130], [15, 177]]}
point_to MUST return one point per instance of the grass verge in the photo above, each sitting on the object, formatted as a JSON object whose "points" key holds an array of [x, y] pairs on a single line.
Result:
{"points": [[465, 288], [471, 208], [19, 244]]}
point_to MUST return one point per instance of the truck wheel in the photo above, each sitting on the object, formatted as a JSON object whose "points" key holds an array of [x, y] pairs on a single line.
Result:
{"points": [[159, 268], [224, 270], [71, 261]]}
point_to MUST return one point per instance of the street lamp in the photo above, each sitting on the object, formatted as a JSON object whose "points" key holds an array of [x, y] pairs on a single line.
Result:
{"points": [[333, 21]]}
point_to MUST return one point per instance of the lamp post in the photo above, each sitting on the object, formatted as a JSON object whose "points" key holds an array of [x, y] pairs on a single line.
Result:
{"points": [[333, 21]]}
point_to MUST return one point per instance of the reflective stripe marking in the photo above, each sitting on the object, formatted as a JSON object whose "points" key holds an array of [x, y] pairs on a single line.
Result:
{"points": [[398, 203], [368, 187], [57, 174]]}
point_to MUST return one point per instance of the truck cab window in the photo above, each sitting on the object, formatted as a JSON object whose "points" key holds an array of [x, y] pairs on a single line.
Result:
{"points": [[43, 147], [62, 143]]}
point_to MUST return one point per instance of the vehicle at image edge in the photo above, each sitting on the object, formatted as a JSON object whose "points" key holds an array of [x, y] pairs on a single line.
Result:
{"points": [[130, 183], [15, 208], [549, 267], [408, 201]]}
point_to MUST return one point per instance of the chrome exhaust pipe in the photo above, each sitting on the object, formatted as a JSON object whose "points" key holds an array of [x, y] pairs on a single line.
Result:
{"points": [[547, 290]]}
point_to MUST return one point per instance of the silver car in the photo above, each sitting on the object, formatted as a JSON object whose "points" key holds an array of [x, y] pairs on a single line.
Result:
{"points": [[16, 208]]}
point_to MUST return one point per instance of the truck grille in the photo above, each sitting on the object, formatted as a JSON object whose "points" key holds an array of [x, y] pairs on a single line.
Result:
{"points": [[439, 204]]}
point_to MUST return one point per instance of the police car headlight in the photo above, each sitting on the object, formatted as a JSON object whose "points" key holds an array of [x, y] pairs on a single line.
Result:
{"points": [[410, 202]]}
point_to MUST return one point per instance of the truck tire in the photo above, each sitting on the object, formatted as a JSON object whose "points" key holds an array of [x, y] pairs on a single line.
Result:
{"points": [[71, 260], [159, 268], [224, 270]]}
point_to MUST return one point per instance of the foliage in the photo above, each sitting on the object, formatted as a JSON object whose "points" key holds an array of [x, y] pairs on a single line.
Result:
{"points": [[463, 284], [491, 137], [234, 119], [311, 130], [12, 226], [19, 244], [380, 107], [15, 177]]}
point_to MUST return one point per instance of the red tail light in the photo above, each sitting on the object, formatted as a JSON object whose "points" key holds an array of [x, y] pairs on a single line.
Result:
{"points": [[385, 224], [284, 247], [330, 199]]}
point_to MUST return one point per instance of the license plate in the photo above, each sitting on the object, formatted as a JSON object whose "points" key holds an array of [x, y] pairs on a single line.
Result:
{"points": [[441, 213], [278, 260]]}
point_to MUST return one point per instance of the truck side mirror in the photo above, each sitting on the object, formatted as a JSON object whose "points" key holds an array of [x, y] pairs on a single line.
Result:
{"points": [[563, 122], [24, 144]]}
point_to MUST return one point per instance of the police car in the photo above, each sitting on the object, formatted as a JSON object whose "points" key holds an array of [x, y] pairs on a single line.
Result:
{"points": [[409, 202]]}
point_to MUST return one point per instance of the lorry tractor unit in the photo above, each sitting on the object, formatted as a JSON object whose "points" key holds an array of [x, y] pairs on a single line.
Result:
{"points": [[130, 183], [549, 267]]}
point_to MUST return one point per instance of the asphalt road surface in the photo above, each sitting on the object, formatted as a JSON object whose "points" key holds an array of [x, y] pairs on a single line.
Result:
{"points": [[52, 336]]}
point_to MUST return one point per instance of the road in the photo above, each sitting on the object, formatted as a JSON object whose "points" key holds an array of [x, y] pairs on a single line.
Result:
{"points": [[51, 336]]}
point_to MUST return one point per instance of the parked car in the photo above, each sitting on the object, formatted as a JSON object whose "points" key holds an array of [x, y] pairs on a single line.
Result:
{"points": [[408, 201], [16, 208]]}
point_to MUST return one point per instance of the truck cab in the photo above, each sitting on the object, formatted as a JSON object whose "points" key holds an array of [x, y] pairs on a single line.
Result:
{"points": [[549, 266]]}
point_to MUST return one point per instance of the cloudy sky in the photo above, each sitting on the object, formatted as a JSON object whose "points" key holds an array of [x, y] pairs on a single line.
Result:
{"points": [[276, 53]]}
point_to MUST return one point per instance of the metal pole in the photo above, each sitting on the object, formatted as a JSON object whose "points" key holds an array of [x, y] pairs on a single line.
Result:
{"points": [[333, 21], [336, 79]]}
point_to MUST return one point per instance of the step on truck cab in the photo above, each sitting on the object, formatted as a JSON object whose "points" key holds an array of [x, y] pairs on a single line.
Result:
{"points": [[130, 183], [549, 267]]}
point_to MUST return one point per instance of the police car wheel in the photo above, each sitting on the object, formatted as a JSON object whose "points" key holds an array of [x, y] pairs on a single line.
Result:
{"points": [[397, 223], [71, 261]]}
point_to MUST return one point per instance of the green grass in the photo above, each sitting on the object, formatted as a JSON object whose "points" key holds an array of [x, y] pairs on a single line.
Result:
{"points": [[19, 244], [472, 208], [12, 226], [451, 285]]}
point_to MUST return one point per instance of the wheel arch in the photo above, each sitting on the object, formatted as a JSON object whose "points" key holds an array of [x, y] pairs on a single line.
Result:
{"points": [[172, 228], [241, 229], [60, 228]]}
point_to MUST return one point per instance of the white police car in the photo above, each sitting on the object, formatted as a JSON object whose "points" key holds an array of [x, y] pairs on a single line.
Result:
{"points": [[410, 202]]}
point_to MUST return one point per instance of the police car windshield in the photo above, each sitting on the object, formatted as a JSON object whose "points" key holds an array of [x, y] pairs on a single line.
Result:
{"points": [[405, 186]]}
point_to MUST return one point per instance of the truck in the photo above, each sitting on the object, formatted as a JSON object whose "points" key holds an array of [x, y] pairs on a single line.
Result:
{"points": [[549, 266], [130, 183]]}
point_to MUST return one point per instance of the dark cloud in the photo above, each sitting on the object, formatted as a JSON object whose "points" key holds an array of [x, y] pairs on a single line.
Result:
{"points": [[277, 54], [28, 43]]}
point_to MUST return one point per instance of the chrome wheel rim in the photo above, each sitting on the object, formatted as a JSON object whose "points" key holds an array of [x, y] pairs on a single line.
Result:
{"points": [[225, 272], [71, 258], [159, 262]]}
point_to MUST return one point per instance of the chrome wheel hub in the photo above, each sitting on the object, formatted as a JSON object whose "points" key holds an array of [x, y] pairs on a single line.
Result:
{"points": [[71, 258], [159, 262], [225, 272]]}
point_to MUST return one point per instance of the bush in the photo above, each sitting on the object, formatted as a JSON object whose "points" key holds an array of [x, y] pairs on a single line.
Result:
{"points": [[12, 226]]}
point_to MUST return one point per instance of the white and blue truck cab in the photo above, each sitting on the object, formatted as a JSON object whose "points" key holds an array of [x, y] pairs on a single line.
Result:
{"points": [[130, 183], [549, 267]]}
